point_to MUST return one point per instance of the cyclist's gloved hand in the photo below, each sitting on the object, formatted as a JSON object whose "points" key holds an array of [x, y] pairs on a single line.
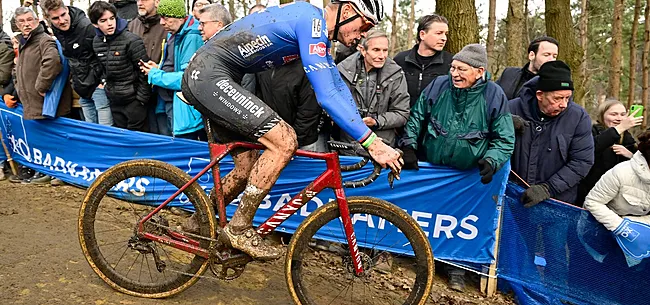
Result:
{"points": [[410, 158], [486, 170], [535, 194], [634, 238]]}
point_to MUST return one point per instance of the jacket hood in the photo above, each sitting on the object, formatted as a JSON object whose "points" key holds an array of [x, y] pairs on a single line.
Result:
{"points": [[528, 95], [76, 15], [640, 167], [348, 67], [190, 26], [119, 28]]}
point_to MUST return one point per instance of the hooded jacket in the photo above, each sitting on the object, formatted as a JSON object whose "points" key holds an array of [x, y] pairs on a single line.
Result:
{"points": [[461, 126], [388, 104], [119, 54], [558, 151], [77, 43], [38, 65], [418, 76], [186, 42], [153, 35], [622, 191]]}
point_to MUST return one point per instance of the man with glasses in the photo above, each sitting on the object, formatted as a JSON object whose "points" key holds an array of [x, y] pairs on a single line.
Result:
{"points": [[212, 18], [260, 41], [183, 39]]}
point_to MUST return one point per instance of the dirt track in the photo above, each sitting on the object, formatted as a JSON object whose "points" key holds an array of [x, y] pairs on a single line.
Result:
{"points": [[41, 261]]}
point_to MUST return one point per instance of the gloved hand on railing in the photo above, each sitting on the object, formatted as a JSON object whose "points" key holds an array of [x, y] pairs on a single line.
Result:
{"points": [[535, 194], [486, 170], [410, 158], [634, 238]]}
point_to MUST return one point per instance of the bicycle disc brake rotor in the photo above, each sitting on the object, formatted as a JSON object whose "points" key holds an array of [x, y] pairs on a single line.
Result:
{"points": [[366, 263]]}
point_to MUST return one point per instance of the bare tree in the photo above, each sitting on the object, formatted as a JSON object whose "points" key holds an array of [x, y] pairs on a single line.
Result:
{"points": [[584, 39], [231, 8], [463, 22], [411, 24], [393, 31], [614, 83], [644, 59], [285, 1], [492, 20], [635, 30], [515, 40], [325, 2], [559, 24]]}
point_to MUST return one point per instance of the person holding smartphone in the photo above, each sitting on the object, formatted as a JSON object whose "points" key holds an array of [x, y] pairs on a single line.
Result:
{"points": [[613, 143]]}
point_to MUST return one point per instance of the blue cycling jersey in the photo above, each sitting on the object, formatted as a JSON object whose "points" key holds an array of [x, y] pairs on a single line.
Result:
{"points": [[278, 35]]}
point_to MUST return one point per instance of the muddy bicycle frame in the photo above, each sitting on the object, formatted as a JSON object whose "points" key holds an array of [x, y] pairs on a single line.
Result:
{"points": [[330, 178]]}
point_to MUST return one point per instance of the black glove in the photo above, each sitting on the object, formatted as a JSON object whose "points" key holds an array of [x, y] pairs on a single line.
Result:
{"points": [[486, 170], [535, 194], [410, 158], [520, 124]]}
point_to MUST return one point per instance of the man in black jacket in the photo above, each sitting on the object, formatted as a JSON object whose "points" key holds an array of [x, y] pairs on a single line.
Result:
{"points": [[75, 33], [427, 60], [120, 52], [126, 9], [540, 50]]}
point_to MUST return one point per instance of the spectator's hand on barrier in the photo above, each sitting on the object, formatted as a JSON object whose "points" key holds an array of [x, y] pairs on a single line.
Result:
{"points": [[535, 194], [10, 100], [486, 170], [520, 124], [622, 151], [634, 238], [410, 158]]}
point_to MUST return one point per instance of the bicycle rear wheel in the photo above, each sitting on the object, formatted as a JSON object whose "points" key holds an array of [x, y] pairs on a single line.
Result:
{"points": [[107, 229], [396, 255]]}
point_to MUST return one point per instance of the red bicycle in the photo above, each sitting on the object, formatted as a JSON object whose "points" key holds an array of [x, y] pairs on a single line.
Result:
{"points": [[133, 240]]}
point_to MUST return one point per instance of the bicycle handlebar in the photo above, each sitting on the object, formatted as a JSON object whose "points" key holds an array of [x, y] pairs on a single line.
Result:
{"points": [[358, 150]]}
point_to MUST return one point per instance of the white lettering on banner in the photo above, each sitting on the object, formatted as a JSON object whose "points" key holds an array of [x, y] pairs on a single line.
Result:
{"points": [[452, 223], [416, 215], [241, 99], [260, 43], [63, 166]]}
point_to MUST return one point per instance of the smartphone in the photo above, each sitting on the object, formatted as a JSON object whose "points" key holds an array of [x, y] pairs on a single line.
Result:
{"points": [[638, 113]]}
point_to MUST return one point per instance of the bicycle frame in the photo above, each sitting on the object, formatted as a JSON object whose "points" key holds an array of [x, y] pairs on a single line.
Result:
{"points": [[330, 178]]}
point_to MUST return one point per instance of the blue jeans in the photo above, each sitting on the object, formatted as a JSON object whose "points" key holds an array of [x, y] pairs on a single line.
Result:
{"points": [[97, 109]]}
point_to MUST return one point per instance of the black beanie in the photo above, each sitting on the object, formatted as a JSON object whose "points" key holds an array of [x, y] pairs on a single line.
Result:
{"points": [[553, 76]]}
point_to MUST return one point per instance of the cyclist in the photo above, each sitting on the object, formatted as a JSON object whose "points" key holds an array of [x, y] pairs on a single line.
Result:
{"points": [[260, 41]]}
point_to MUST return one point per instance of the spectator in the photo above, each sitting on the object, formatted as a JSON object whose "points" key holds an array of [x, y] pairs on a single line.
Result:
{"points": [[288, 92], [343, 51], [183, 39], [613, 143], [540, 50], [212, 18], [12, 21], [427, 59], [378, 86], [197, 5], [38, 66], [126, 9], [467, 122], [75, 33], [147, 26], [6, 59], [119, 52]]}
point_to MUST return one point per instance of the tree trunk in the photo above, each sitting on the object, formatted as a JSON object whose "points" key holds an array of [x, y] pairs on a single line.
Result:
{"points": [[1, 16], [635, 30], [614, 84], [411, 24], [285, 1], [559, 24], [515, 39], [326, 2], [644, 59], [463, 22], [492, 20], [231, 8], [584, 40], [393, 31]]}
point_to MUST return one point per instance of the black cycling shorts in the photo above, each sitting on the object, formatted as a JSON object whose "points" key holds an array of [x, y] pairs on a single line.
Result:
{"points": [[210, 86]]}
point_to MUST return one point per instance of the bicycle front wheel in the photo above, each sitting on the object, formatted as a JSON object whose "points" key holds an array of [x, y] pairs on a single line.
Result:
{"points": [[395, 253], [107, 229]]}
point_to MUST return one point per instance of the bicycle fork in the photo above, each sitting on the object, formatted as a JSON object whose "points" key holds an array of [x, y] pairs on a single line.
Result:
{"points": [[349, 231]]}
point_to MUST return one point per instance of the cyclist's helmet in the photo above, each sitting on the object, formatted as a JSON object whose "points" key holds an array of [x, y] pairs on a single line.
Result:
{"points": [[373, 10]]}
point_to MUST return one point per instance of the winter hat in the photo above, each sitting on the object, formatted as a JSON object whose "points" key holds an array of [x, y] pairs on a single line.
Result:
{"points": [[553, 76], [172, 8], [473, 55]]}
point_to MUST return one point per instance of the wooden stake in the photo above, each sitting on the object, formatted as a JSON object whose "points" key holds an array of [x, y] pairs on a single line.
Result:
{"points": [[10, 160], [489, 283]]}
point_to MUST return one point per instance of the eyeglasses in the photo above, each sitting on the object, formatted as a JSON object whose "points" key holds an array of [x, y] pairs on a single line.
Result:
{"points": [[367, 24], [202, 23], [23, 21], [461, 70]]}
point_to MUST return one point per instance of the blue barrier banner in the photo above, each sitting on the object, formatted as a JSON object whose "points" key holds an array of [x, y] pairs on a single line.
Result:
{"points": [[458, 213], [554, 253]]}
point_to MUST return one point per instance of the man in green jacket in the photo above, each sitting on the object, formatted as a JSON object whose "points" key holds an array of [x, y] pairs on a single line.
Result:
{"points": [[465, 121]]}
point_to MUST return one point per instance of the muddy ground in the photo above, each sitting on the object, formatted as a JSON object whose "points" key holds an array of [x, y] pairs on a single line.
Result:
{"points": [[41, 262]]}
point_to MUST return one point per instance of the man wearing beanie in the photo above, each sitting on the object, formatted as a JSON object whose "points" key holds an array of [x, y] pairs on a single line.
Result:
{"points": [[465, 121], [183, 39], [553, 152]]}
